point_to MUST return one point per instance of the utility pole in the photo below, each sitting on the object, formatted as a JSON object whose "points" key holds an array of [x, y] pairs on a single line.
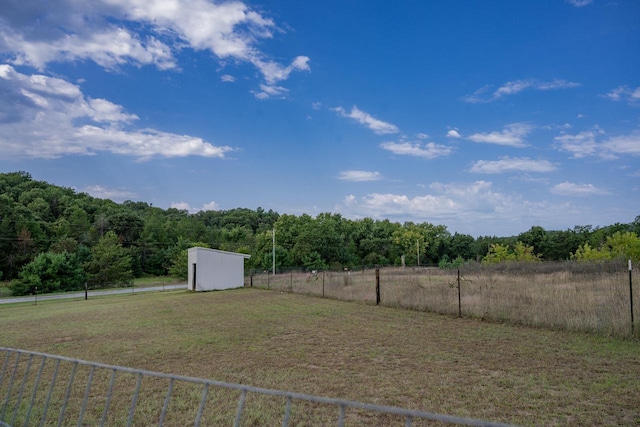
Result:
{"points": [[273, 234]]}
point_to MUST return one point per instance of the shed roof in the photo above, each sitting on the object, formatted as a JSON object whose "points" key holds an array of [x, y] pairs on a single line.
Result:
{"points": [[245, 256]]}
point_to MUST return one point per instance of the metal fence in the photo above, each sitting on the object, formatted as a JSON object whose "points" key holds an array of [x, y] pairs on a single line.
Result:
{"points": [[43, 389]]}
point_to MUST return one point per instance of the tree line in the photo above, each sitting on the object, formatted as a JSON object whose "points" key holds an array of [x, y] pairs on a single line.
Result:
{"points": [[56, 236]]}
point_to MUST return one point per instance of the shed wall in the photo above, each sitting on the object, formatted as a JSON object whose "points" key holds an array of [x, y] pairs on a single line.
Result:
{"points": [[215, 270]]}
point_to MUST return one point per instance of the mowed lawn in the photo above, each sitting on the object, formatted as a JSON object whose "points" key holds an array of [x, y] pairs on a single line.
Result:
{"points": [[387, 356]]}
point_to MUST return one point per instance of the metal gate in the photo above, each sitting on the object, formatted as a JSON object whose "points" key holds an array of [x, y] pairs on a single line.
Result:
{"points": [[43, 389]]}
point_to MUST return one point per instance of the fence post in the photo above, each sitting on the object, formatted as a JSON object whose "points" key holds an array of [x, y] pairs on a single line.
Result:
{"points": [[377, 285], [86, 291], [267, 280], [459, 299], [251, 280], [291, 285], [631, 295], [323, 284]]}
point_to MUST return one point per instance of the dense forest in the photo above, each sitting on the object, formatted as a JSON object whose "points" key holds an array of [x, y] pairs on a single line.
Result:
{"points": [[76, 237]]}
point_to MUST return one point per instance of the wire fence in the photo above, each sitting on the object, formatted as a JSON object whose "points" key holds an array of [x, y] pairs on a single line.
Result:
{"points": [[45, 390], [589, 297]]}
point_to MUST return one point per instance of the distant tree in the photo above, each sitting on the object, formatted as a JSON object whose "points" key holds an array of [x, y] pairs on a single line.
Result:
{"points": [[50, 272], [537, 238], [498, 253], [127, 225], [461, 245], [524, 253], [65, 244], [412, 241], [446, 262], [110, 263], [586, 253], [624, 245], [313, 261], [180, 261], [501, 253]]}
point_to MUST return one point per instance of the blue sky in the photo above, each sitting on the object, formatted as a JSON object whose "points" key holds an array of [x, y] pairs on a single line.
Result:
{"points": [[488, 117]]}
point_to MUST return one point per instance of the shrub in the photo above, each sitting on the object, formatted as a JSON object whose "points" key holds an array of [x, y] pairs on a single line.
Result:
{"points": [[50, 272]]}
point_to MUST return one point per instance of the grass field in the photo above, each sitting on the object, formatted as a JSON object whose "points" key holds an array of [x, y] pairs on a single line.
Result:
{"points": [[355, 351]]}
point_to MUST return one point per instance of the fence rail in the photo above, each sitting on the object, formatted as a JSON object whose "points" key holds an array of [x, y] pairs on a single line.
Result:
{"points": [[43, 389]]}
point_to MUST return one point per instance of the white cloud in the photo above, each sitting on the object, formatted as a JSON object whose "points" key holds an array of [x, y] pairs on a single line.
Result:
{"points": [[624, 93], [511, 88], [389, 205], [274, 72], [587, 143], [107, 46], [554, 126], [211, 206], [48, 117], [377, 126], [105, 111], [184, 206], [555, 84], [579, 3], [422, 136], [360, 176], [267, 91], [514, 87], [453, 133], [227, 78], [623, 144], [512, 135], [572, 189], [113, 33], [465, 207], [580, 145], [507, 164], [102, 192], [429, 150]]}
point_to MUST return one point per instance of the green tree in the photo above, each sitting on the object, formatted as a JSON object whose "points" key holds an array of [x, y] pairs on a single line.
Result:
{"points": [[586, 253], [313, 261], [624, 245], [461, 246], [498, 253], [524, 253], [536, 238], [180, 261], [50, 272], [110, 263], [412, 242]]}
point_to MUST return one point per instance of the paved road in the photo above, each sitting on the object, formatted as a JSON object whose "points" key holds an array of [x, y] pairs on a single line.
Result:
{"points": [[92, 293]]}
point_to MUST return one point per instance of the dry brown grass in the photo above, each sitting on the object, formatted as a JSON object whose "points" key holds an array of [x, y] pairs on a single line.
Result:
{"points": [[326, 347], [562, 296]]}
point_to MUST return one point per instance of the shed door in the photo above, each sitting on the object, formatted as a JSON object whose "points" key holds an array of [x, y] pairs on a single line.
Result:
{"points": [[193, 281]]}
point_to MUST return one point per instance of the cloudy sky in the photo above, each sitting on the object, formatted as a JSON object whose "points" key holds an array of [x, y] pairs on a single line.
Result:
{"points": [[488, 117]]}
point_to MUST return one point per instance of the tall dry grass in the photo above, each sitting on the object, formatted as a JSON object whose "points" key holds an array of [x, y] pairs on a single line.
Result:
{"points": [[571, 296]]}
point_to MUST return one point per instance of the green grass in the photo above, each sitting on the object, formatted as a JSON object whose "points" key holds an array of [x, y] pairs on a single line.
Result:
{"points": [[149, 281], [353, 351]]}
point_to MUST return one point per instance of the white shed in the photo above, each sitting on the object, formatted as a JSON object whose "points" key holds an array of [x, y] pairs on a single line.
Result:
{"points": [[212, 269]]}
